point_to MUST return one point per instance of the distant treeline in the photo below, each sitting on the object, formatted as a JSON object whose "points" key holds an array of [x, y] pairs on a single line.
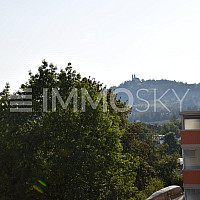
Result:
{"points": [[147, 95]]}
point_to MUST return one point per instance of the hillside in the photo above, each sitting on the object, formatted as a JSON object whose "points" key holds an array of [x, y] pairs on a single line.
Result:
{"points": [[158, 100]]}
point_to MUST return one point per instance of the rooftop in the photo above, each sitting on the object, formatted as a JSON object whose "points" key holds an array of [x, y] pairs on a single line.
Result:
{"points": [[190, 113]]}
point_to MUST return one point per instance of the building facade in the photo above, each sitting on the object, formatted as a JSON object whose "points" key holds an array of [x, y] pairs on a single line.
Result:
{"points": [[190, 142]]}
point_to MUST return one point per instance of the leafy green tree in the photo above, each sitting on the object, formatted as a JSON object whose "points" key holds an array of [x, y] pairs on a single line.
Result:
{"points": [[167, 169], [153, 185], [79, 155], [171, 127], [172, 142]]}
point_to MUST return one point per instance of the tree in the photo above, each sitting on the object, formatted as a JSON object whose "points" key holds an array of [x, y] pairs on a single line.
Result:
{"points": [[154, 184], [167, 168], [172, 142], [171, 127], [78, 155]]}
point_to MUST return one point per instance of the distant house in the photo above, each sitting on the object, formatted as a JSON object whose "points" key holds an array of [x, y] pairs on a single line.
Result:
{"points": [[158, 139]]}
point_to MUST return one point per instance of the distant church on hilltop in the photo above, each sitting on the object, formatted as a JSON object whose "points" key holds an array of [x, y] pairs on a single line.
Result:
{"points": [[135, 79]]}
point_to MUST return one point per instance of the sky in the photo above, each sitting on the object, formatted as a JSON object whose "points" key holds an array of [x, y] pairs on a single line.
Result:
{"points": [[108, 40]]}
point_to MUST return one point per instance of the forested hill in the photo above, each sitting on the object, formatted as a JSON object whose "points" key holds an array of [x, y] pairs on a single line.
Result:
{"points": [[146, 94]]}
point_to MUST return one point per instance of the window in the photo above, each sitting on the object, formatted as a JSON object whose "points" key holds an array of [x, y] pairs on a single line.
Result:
{"points": [[191, 159], [192, 124], [189, 153]]}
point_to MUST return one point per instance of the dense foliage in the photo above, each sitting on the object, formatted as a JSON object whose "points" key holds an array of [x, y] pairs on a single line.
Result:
{"points": [[61, 154]]}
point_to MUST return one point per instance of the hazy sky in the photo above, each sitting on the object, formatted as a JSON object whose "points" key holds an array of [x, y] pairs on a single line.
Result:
{"points": [[105, 39]]}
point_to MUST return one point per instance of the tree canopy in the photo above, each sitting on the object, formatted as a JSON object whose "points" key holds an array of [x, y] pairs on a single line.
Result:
{"points": [[65, 154]]}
